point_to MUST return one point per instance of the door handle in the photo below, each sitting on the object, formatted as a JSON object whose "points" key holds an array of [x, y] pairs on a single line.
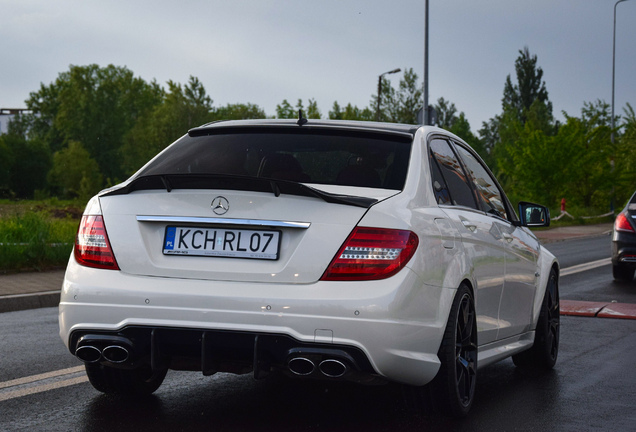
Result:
{"points": [[471, 226], [508, 237]]}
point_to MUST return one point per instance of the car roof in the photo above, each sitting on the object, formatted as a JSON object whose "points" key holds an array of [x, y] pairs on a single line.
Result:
{"points": [[362, 126]]}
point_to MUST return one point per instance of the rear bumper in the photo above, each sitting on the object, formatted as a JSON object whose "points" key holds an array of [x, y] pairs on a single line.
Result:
{"points": [[391, 328], [624, 249]]}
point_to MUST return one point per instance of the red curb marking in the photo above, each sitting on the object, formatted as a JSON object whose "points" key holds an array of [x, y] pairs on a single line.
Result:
{"points": [[598, 309], [619, 310], [581, 308]]}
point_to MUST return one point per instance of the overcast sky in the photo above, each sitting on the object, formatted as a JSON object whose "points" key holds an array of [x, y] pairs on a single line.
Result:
{"points": [[264, 51]]}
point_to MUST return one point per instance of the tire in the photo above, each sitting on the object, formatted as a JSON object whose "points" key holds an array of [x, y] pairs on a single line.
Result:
{"points": [[545, 350], [454, 385], [622, 273], [138, 382]]}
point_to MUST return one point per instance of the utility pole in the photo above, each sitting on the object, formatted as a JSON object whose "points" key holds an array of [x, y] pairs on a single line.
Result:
{"points": [[612, 162], [426, 116]]}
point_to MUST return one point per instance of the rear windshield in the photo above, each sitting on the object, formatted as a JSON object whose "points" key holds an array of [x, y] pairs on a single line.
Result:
{"points": [[322, 157]]}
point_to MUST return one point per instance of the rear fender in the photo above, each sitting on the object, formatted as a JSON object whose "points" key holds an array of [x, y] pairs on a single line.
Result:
{"points": [[546, 262]]}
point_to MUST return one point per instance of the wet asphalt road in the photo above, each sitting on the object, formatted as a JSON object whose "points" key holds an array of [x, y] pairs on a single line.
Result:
{"points": [[592, 387]]}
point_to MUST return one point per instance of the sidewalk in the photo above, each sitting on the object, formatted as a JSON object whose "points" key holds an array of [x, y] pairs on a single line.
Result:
{"points": [[20, 291], [552, 235]]}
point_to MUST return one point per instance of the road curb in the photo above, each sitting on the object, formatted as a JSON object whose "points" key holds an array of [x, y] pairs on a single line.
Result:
{"points": [[598, 309], [18, 302]]}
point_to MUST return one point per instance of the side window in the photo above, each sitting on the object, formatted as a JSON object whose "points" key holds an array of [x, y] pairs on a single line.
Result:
{"points": [[440, 189], [453, 173], [487, 191]]}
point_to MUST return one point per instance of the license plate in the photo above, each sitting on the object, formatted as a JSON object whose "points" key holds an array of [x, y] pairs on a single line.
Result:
{"points": [[221, 242]]}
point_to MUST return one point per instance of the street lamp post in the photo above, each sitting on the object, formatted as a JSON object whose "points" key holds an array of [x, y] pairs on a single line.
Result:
{"points": [[614, 65], [425, 110], [377, 113], [613, 82]]}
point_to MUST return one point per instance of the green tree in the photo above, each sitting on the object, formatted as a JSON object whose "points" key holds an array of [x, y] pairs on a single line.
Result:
{"points": [[285, 111], [446, 113], [336, 111], [312, 110], [409, 98], [25, 162], [519, 97], [527, 97], [95, 106], [448, 119], [238, 112], [300, 107], [398, 105], [182, 108], [45, 104], [351, 112], [624, 157], [75, 173], [6, 156], [574, 163], [387, 111], [461, 128], [489, 133]]}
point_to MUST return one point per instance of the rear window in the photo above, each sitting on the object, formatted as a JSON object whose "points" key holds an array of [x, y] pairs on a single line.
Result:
{"points": [[317, 156]]}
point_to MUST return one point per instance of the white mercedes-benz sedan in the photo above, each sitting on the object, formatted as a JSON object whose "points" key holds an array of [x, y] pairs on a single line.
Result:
{"points": [[369, 252]]}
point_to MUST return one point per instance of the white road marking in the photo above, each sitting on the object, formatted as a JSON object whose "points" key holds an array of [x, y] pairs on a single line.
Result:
{"points": [[57, 377], [585, 266], [42, 388]]}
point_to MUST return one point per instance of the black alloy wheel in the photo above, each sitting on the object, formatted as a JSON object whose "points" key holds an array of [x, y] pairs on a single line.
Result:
{"points": [[466, 350], [456, 380], [554, 320], [543, 354]]}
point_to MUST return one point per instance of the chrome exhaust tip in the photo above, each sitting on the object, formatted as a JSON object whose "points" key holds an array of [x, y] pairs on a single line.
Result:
{"points": [[301, 366], [115, 354], [92, 348], [88, 354], [333, 368]]}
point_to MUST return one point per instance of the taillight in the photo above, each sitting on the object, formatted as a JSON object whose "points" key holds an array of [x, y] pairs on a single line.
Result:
{"points": [[371, 254], [92, 248], [622, 224]]}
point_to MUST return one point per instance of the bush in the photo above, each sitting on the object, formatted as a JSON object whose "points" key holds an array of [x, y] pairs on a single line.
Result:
{"points": [[34, 240]]}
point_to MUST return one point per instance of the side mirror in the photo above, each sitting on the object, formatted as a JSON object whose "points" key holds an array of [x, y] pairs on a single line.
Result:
{"points": [[533, 215]]}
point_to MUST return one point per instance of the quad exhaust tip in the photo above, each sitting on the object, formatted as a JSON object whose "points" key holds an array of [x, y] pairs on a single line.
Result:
{"points": [[88, 354], [115, 354], [112, 354], [332, 368], [301, 366], [92, 348]]}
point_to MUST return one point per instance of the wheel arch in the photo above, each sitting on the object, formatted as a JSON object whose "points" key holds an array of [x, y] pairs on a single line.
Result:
{"points": [[546, 264]]}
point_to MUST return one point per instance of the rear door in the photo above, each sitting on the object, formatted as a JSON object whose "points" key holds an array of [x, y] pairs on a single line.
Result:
{"points": [[481, 239]]}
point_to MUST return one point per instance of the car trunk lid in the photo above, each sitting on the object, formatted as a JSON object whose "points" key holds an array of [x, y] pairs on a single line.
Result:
{"points": [[303, 234]]}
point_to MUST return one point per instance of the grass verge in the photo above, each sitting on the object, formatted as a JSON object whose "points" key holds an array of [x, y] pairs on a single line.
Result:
{"points": [[36, 236]]}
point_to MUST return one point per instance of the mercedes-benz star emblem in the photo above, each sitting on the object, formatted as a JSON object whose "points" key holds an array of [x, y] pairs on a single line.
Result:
{"points": [[220, 205]]}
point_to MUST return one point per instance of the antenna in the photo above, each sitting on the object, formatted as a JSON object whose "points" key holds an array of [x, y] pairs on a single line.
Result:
{"points": [[301, 120]]}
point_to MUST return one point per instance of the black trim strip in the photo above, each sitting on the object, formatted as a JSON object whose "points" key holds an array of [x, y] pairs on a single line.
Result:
{"points": [[170, 182]]}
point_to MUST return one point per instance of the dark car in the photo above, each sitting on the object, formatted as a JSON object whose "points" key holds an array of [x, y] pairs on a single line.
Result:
{"points": [[624, 243]]}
